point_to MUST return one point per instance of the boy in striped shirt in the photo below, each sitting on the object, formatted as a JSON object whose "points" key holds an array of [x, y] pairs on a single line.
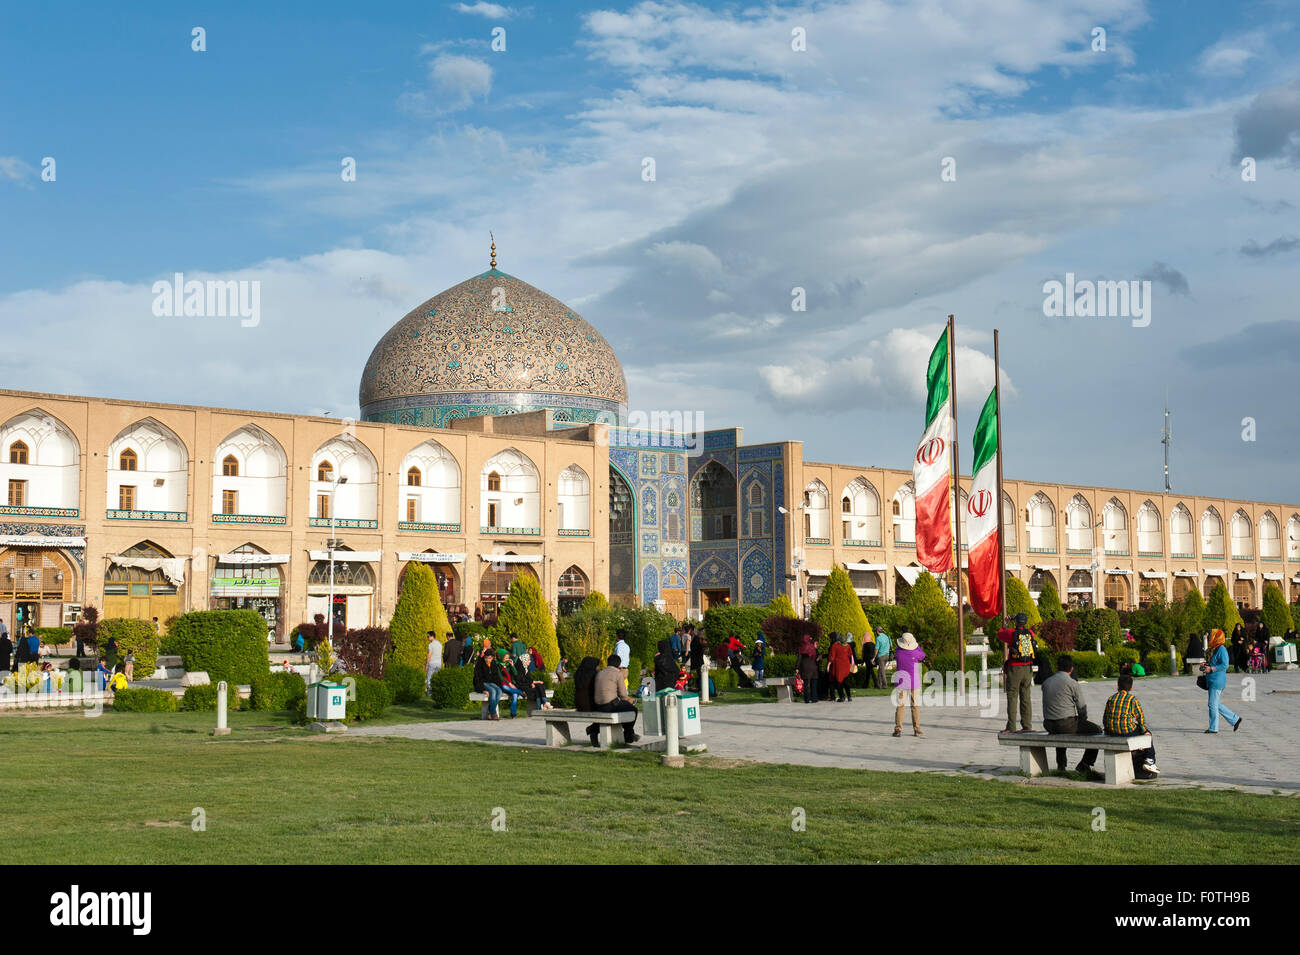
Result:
{"points": [[1124, 717]]}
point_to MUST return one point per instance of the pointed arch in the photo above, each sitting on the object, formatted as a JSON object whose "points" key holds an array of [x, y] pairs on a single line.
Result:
{"points": [[622, 537], [1078, 525], [148, 468], [40, 465], [573, 500], [1150, 538], [1182, 535], [1241, 530], [816, 512], [432, 490], [713, 503], [1270, 537], [1040, 524], [860, 513], [1008, 522], [1211, 533], [515, 503], [1114, 528], [1293, 537], [346, 483], [258, 487], [904, 514]]}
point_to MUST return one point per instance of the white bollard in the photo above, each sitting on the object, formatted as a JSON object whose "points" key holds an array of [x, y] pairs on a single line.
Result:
{"points": [[222, 729], [704, 681], [670, 723], [1173, 661], [1099, 646]]}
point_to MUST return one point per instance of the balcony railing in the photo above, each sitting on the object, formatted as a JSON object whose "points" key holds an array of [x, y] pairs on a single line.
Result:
{"points": [[1243, 556], [343, 523], [817, 540], [1152, 553], [905, 545], [1178, 556], [1116, 553], [510, 531], [424, 527], [22, 510], [247, 519], [173, 517], [1048, 550], [860, 542], [574, 532]]}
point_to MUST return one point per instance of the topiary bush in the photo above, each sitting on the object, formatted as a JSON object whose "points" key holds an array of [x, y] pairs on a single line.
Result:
{"points": [[780, 606], [229, 644], [419, 609], [1049, 602], [526, 615], [138, 637], [451, 686], [405, 682], [930, 618], [145, 700], [838, 609], [277, 692], [198, 698], [722, 621], [1276, 613], [645, 627], [469, 629], [1018, 601], [54, 636], [373, 698]]}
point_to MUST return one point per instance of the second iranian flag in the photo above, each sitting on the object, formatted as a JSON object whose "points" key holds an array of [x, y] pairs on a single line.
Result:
{"points": [[931, 468], [982, 515]]}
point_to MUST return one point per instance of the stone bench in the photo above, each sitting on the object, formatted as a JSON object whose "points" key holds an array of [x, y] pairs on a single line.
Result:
{"points": [[482, 698], [1116, 751], [557, 725], [783, 687]]}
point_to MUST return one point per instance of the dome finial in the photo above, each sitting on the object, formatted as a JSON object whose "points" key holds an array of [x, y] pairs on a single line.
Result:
{"points": [[494, 249]]}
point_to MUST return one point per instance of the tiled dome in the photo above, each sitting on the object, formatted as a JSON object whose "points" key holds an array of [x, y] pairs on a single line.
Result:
{"points": [[491, 345]]}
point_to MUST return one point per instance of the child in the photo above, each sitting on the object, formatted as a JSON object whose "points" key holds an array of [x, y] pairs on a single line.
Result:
{"points": [[1124, 717], [130, 665]]}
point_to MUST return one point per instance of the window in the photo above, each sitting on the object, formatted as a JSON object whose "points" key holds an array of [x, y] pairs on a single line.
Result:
{"points": [[410, 509], [413, 477], [230, 466], [322, 505], [846, 506], [492, 513], [494, 482], [229, 502], [127, 460], [17, 453], [17, 493], [325, 471], [755, 493], [126, 498], [846, 529], [673, 527]]}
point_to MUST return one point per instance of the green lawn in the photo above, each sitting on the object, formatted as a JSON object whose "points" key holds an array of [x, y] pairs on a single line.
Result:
{"points": [[121, 788]]}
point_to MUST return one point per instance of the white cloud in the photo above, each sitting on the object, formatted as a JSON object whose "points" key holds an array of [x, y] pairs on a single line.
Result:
{"points": [[1229, 56], [493, 11], [13, 168]]}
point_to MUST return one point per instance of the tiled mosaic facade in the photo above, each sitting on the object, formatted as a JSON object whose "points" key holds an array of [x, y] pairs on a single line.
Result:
{"points": [[655, 471]]}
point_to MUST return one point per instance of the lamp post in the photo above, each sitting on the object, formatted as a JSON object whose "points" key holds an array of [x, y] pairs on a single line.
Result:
{"points": [[329, 639], [796, 561]]}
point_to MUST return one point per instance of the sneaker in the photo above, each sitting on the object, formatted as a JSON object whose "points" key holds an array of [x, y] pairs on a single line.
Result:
{"points": [[1144, 774], [1214, 732], [595, 740], [1151, 768], [917, 733], [1237, 725], [898, 732]]}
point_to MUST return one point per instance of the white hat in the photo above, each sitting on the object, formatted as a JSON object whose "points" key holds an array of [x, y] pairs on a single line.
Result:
{"points": [[907, 642]]}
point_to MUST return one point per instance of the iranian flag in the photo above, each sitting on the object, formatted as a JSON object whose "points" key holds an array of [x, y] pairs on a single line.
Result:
{"points": [[931, 469], [982, 515]]}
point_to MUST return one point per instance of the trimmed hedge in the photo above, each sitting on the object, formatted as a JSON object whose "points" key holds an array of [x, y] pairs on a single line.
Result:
{"points": [[405, 682], [277, 692], [138, 637], [229, 644], [1090, 665], [564, 695], [145, 700], [58, 636], [451, 686], [745, 622], [780, 664], [204, 697], [373, 697]]}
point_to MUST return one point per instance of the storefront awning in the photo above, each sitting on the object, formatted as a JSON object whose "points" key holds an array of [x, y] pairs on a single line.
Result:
{"points": [[1010, 566], [425, 558], [1272, 576], [1215, 572], [1079, 566], [173, 568], [851, 566], [910, 574], [1185, 573], [254, 559], [351, 556], [817, 572], [511, 558], [1118, 570], [20, 540], [1152, 574], [1245, 575]]}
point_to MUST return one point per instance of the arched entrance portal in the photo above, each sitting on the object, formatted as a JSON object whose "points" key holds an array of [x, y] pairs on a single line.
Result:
{"points": [[573, 590], [137, 584], [36, 586], [622, 540], [354, 592], [494, 585]]}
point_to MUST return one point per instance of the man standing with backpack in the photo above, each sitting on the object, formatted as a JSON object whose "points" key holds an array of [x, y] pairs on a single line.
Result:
{"points": [[1018, 671]]}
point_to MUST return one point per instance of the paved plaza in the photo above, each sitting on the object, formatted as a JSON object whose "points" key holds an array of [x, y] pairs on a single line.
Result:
{"points": [[1261, 757]]}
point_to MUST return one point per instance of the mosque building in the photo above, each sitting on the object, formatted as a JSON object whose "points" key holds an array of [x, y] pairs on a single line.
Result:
{"points": [[495, 439]]}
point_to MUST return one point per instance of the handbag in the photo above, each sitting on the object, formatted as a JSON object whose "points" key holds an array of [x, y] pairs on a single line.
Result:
{"points": [[1202, 682], [798, 683]]}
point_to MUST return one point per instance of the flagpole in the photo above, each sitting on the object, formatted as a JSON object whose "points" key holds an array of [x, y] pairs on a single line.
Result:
{"points": [[956, 481], [1002, 545]]}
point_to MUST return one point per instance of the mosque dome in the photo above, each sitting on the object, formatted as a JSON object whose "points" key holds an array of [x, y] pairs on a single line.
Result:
{"points": [[492, 345]]}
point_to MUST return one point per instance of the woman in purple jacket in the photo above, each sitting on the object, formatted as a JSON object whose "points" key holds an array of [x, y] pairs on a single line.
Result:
{"points": [[907, 680]]}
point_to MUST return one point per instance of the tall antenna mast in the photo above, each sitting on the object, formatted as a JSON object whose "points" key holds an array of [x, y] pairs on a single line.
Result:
{"points": [[1167, 438]]}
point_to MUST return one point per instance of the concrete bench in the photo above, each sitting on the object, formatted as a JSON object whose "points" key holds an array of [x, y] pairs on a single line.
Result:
{"points": [[783, 687], [557, 725], [1116, 751], [481, 698]]}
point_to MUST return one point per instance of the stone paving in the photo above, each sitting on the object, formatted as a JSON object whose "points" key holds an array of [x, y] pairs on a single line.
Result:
{"points": [[1261, 757]]}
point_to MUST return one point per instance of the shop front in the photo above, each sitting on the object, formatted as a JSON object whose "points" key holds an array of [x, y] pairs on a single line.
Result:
{"points": [[352, 591], [500, 571], [446, 570], [248, 579], [144, 582], [38, 581]]}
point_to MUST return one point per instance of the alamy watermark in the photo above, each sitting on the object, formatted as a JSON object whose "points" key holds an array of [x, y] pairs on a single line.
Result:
{"points": [[213, 298], [1088, 299]]}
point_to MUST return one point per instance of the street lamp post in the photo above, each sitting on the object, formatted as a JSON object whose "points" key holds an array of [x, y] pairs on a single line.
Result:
{"points": [[796, 562], [329, 639]]}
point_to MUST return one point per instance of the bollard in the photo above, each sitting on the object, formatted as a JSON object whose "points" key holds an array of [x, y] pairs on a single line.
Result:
{"points": [[1173, 661], [1099, 646], [672, 755], [704, 681], [222, 729]]}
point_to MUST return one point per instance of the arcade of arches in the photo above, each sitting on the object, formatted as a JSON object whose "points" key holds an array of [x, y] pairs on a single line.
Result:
{"points": [[37, 586]]}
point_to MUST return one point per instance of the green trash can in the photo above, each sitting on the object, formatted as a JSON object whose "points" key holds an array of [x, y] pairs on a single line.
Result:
{"points": [[653, 717], [688, 715]]}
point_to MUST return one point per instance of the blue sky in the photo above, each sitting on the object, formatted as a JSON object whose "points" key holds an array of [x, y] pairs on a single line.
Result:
{"points": [[776, 169]]}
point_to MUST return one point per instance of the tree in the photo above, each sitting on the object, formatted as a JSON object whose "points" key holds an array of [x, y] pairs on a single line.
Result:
{"points": [[780, 606], [419, 609], [1220, 612], [1049, 602], [1276, 613], [838, 609], [526, 615], [930, 617], [1018, 601], [1191, 613], [595, 601]]}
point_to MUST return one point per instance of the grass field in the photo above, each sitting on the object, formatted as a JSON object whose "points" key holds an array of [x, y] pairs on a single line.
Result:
{"points": [[122, 788]]}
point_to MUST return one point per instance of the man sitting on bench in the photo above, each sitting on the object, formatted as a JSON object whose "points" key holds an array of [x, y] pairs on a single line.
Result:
{"points": [[1064, 711], [611, 697], [1124, 717]]}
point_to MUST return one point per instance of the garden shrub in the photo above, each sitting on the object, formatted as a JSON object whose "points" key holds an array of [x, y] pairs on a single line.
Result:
{"points": [[564, 695], [595, 601], [138, 637], [1276, 613], [526, 615], [1090, 665], [930, 618], [1221, 612], [1018, 601], [277, 692], [780, 606], [780, 664], [891, 618], [838, 609], [451, 686], [406, 682], [1049, 603], [145, 700], [745, 622], [419, 609], [1118, 656], [87, 628], [1191, 612], [204, 697], [469, 629], [229, 645], [645, 627], [1060, 634], [54, 636], [366, 650], [783, 634], [724, 679], [634, 667], [373, 698]]}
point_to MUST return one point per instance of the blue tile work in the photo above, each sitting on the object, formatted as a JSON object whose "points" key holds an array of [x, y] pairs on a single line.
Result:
{"points": [[438, 411], [51, 530], [655, 466], [756, 575], [650, 583], [649, 501]]}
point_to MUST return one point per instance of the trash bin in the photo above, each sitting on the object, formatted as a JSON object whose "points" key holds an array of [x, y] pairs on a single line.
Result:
{"points": [[1284, 653], [327, 701], [688, 715]]}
